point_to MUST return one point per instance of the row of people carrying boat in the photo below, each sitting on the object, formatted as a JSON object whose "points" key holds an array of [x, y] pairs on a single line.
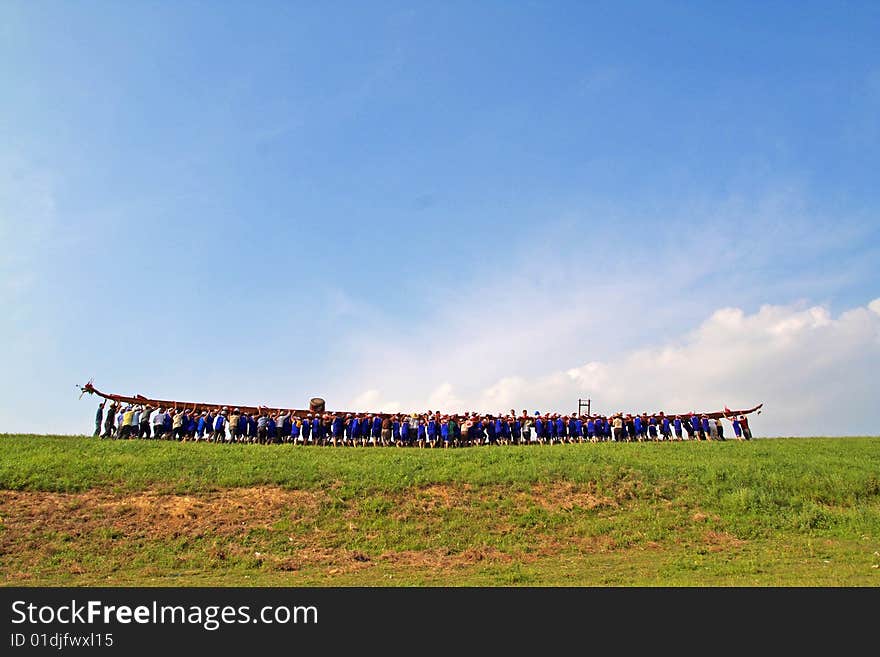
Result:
{"points": [[430, 429]]}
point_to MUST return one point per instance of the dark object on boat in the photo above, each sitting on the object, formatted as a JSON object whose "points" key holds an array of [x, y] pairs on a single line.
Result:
{"points": [[316, 405]]}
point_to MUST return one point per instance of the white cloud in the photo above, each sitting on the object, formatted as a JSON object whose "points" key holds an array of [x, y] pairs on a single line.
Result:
{"points": [[372, 400], [815, 373], [443, 399]]}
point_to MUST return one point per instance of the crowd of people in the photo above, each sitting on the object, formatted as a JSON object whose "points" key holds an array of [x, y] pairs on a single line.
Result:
{"points": [[430, 429]]}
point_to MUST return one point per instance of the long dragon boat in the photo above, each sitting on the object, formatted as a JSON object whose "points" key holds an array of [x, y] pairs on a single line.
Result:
{"points": [[317, 406]]}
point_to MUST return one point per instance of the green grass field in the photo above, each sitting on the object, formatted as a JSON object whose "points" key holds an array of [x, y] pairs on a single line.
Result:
{"points": [[790, 512]]}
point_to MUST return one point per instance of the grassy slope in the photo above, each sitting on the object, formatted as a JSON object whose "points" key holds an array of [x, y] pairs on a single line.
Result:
{"points": [[766, 512]]}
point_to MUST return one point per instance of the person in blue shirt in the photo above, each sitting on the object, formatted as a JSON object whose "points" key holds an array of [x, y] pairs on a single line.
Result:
{"points": [[241, 428], [676, 427], [517, 431], [591, 429], [252, 428], [665, 430], [168, 424], [354, 430], [489, 426], [431, 430], [209, 425], [704, 425], [652, 428], [327, 427], [365, 423], [200, 427], [346, 429], [366, 428], [294, 430], [395, 430], [422, 432], [306, 429], [191, 425], [560, 430], [688, 427], [637, 424], [539, 428], [444, 431], [504, 436], [404, 430], [377, 428], [475, 431], [317, 431], [219, 424], [696, 427], [737, 428], [337, 428]]}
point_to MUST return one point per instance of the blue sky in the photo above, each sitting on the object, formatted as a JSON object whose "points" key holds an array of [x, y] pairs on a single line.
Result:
{"points": [[457, 205]]}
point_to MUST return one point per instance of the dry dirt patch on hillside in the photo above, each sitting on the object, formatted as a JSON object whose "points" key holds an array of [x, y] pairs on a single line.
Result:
{"points": [[150, 514]]}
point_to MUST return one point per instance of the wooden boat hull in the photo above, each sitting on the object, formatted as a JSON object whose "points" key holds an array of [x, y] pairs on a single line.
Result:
{"points": [[298, 412]]}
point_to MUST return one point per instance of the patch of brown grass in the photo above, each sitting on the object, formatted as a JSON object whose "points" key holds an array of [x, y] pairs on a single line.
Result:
{"points": [[40, 524], [443, 559], [150, 514], [567, 496], [721, 541]]}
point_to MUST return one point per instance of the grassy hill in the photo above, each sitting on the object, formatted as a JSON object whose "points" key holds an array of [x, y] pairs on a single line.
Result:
{"points": [[794, 511]]}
